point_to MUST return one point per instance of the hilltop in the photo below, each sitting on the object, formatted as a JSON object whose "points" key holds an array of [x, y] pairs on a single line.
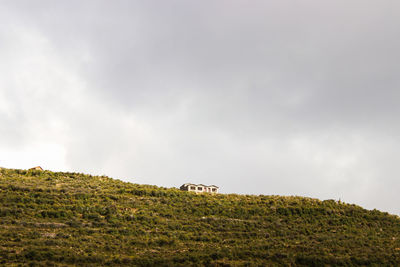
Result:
{"points": [[57, 218]]}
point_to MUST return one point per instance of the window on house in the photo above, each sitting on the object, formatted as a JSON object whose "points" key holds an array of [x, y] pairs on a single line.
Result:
{"points": [[200, 188], [192, 188], [214, 189]]}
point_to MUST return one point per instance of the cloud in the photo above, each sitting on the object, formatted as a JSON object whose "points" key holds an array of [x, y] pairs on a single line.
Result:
{"points": [[258, 97]]}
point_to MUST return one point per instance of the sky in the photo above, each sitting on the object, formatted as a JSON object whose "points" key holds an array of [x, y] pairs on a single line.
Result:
{"points": [[258, 97]]}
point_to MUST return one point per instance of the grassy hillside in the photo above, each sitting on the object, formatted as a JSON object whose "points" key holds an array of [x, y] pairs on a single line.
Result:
{"points": [[68, 219]]}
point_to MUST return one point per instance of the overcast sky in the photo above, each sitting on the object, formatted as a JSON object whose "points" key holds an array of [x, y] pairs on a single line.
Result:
{"points": [[258, 97]]}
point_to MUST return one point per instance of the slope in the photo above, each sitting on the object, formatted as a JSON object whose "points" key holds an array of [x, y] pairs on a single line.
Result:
{"points": [[54, 218]]}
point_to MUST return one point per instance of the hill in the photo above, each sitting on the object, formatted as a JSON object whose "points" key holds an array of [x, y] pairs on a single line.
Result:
{"points": [[54, 218]]}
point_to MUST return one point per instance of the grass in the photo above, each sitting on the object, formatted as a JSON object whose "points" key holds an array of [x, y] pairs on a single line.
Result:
{"points": [[71, 219]]}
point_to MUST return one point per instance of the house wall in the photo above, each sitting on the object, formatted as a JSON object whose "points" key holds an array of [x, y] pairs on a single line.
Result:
{"points": [[199, 188]]}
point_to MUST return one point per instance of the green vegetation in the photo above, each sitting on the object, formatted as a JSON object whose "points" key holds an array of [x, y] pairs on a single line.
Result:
{"points": [[69, 219]]}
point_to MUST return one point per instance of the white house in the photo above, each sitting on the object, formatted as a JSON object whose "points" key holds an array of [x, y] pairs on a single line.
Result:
{"points": [[199, 188]]}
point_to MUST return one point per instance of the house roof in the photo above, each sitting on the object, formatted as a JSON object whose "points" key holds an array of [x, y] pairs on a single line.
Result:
{"points": [[37, 167], [190, 184]]}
